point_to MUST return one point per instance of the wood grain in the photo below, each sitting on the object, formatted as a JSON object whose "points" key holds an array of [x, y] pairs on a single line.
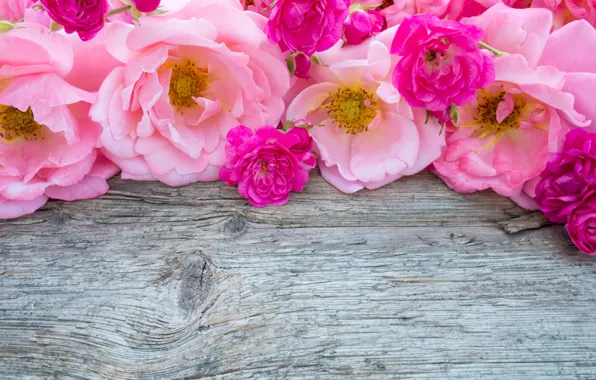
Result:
{"points": [[411, 281]]}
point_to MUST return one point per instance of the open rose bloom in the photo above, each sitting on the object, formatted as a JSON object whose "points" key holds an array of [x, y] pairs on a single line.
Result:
{"points": [[364, 131], [47, 141], [185, 79], [506, 135]]}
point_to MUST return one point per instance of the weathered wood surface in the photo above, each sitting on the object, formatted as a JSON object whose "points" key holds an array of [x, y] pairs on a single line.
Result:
{"points": [[411, 281]]}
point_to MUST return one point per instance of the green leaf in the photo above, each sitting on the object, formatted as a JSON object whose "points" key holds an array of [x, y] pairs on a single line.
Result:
{"points": [[453, 114], [442, 127], [427, 117], [6, 26], [291, 61]]}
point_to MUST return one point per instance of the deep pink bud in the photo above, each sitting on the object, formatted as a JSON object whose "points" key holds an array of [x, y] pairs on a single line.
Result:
{"points": [[146, 6], [302, 66], [362, 24]]}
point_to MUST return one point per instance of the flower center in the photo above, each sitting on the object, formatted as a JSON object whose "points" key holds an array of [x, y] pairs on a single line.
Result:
{"points": [[15, 124], [186, 83], [430, 56], [352, 110], [385, 4], [486, 115]]}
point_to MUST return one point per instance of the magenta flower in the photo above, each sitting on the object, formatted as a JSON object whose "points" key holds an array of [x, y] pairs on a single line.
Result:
{"points": [[307, 25], [86, 18], [362, 24], [267, 165], [581, 226], [146, 6], [569, 178], [441, 63]]}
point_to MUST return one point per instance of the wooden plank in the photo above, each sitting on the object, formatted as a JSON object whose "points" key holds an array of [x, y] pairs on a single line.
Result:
{"points": [[409, 281]]}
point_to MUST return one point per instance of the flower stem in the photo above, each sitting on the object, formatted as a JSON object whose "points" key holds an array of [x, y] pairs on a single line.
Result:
{"points": [[116, 11], [486, 46]]}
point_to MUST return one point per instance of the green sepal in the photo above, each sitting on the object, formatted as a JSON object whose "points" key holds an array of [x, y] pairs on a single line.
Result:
{"points": [[291, 62], [453, 114], [6, 26]]}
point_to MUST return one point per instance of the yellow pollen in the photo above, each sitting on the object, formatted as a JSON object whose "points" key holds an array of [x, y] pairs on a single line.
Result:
{"points": [[430, 56], [15, 124], [352, 110], [186, 82], [486, 115]]}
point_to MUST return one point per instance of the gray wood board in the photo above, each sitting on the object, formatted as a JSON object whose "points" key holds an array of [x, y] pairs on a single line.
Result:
{"points": [[411, 281]]}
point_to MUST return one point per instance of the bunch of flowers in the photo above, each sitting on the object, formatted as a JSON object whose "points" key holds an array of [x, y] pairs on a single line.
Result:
{"points": [[488, 95]]}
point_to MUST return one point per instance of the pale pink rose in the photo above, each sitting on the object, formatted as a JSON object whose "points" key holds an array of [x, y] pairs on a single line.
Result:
{"points": [[396, 11], [193, 75], [565, 11], [13, 10], [123, 16], [47, 142], [366, 135], [507, 134], [259, 6], [566, 49]]}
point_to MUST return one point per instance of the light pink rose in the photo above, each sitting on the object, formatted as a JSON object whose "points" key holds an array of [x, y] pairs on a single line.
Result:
{"points": [[47, 142], [365, 133], [190, 76], [565, 11], [507, 134], [259, 6], [13, 10], [397, 11]]}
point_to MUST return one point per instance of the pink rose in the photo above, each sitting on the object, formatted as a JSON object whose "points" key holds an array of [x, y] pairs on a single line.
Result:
{"points": [[267, 165], [565, 11], [506, 135], [365, 133], [566, 49], [86, 18], [581, 226], [13, 10], [47, 142], [395, 12], [440, 62], [259, 6], [308, 26], [569, 178], [190, 76]]}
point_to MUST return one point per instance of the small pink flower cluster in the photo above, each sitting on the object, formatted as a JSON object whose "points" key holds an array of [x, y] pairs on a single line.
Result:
{"points": [[486, 94]]}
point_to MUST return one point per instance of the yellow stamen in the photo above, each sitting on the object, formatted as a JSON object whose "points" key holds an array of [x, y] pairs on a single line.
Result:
{"points": [[186, 82], [15, 124], [352, 109], [486, 116]]}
